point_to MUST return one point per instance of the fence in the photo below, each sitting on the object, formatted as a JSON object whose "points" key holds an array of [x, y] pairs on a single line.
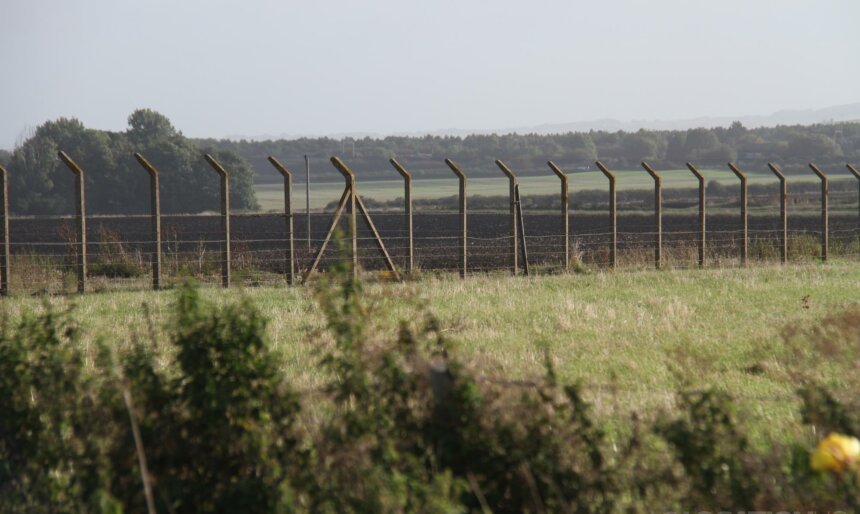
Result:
{"points": [[54, 254]]}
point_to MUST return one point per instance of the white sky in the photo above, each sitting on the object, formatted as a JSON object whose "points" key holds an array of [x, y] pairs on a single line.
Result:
{"points": [[253, 67]]}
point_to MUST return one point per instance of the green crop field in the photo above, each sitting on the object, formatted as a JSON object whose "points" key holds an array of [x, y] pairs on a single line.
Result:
{"points": [[271, 196], [632, 338]]}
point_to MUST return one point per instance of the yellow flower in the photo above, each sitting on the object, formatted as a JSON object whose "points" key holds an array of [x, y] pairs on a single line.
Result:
{"points": [[836, 452]]}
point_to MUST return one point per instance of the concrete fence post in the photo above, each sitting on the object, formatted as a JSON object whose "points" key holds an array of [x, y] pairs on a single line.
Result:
{"points": [[5, 254], [565, 205], [658, 214], [464, 242], [702, 234], [612, 214], [407, 206], [824, 215], [290, 268], [783, 210], [854, 171], [512, 182], [743, 201], [81, 216], [225, 218], [155, 217]]}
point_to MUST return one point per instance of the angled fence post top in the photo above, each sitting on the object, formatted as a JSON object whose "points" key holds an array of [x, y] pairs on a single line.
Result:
{"points": [[854, 171], [280, 167], [400, 169], [70, 163], [507, 171], [216, 165], [343, 169], [605, 170], [696, 171], [555, 169], [651, 171], [455, 169], [146, 165], [776, 171], [815, 169], [737, 171]]}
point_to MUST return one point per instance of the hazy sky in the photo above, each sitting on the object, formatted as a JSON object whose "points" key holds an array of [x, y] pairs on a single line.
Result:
{"points": [[251, 67]]}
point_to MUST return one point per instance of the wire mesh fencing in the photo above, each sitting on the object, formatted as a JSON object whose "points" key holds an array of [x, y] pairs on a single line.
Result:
{"points": [[120, 249]]}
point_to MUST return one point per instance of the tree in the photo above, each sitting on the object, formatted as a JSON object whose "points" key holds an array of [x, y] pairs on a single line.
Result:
{"points": [[115, 182], [579, 148], [638, 147], [40, 184], [700, 142], [813, 147]]}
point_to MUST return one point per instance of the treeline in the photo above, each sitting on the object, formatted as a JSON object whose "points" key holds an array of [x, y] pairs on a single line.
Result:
{"points": [[115, 183], [791, 146]]}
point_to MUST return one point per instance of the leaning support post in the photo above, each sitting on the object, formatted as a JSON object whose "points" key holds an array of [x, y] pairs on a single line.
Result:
{"points": [[225, 218], [349, 179], [341, 204], [155, 219], [464, 248], [356, 201], [519, 212], [702, 234], [514, 199], [288, 218], [743, 201], [407, 201], [658, 214], [5, 257], [612, 213], [854, 171], [824, 216], [783, 210], [81, 215], [565, 222]]}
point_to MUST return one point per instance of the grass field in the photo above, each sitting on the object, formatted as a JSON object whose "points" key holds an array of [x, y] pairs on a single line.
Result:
{"points": [[629, 337], [271, 196]]}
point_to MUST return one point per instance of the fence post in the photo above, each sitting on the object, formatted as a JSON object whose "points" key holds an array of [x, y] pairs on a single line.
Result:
{"points": [[743, 201], [407, 195], [81, 215], [824, 216], [512, 179], [783, 210], [5, 257], [464, 244], [225, 218], [702, 207], [612, 213], [658, 213], [155, 216], [288, 217], [353, 219], [854, 171], [565, 222], [308, 197]]}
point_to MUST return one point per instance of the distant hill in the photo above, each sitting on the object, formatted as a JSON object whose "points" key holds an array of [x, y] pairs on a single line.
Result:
{"points": [[836, 113]]}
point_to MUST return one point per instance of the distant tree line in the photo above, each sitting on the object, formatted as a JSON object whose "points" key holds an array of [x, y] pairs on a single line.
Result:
{"points": [[790, 146], [115, 183]]}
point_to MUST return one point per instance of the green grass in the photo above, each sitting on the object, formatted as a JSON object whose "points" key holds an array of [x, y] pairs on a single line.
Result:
{"points": [[271, 196], [630, 337]]}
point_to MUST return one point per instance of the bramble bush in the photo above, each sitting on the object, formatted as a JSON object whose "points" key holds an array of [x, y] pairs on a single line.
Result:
{"points": [[400, 425]]}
